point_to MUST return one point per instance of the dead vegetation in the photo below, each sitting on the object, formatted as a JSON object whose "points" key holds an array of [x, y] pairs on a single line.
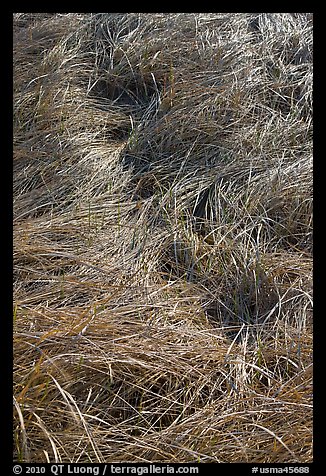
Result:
{"points": [[163, 237]]}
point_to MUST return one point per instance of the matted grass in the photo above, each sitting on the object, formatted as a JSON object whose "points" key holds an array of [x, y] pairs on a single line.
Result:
{"points": [[163, 237]]}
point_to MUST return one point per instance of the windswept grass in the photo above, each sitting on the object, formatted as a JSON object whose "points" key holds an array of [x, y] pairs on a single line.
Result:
{"points": [[163, 237]]}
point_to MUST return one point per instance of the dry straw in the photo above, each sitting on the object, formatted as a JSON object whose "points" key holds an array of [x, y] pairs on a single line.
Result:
{"points": [[163, 237]]}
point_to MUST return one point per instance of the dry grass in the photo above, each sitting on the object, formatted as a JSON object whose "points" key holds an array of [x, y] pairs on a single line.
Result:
{"points": [[163, 237]]}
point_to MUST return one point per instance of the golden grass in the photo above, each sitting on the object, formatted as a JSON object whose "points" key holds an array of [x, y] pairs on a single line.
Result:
{"points": [[163, 237]]}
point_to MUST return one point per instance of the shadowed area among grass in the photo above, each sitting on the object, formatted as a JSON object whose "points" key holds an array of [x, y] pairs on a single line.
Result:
{"points": [[163, 237]]}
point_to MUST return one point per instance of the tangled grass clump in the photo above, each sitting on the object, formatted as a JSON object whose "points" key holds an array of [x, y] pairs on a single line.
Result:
{"points": [[163, 237]]}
